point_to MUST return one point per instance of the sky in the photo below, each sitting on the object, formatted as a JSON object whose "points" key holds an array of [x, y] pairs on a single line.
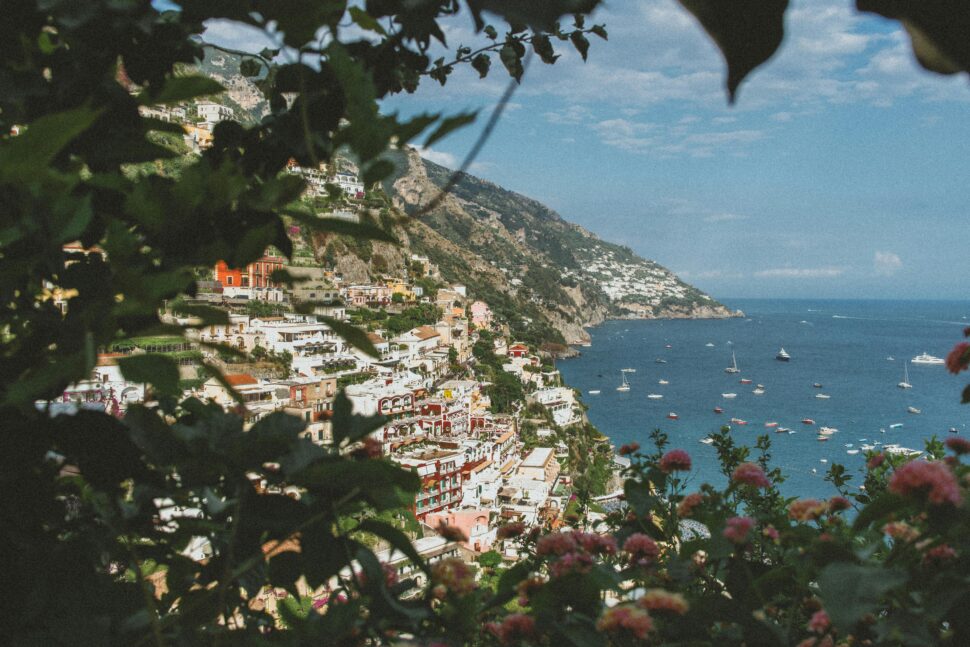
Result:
{"points": [[841, 172]]}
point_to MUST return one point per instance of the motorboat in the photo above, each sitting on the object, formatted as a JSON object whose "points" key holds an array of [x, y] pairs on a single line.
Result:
{"points": [[629, 370], [759, 391], [852, 452], [663, 382], [817, 385], [660, 360], [655, 396], [769, 425], [718, 410], [738, 421], [733, 368], [822, 396], [594, 392], [783, 430], [707, 441], [821, 439], [926, 358], [823, 460], [672, 416], [827, 431], [896, 425], [782, 356], [808, 421], [745, 380], [729, 395], [913, 410], [709, 345], [953, 430]]}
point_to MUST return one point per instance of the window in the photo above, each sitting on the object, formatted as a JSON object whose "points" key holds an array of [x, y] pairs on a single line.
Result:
{"points": [[228, 280]]}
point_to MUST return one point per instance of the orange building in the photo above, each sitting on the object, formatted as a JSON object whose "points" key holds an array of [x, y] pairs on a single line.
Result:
{"points": [[256, 275]]}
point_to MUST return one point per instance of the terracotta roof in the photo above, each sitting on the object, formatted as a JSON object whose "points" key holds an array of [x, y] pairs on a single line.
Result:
{"points": [[375, 338], [240, 379], [425, 332]]}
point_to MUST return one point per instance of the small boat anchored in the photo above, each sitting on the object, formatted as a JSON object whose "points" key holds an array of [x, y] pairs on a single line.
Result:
{"points": [[628, 370], [718, 410], [782, 356], [822, 396], [594, 392], [733, 368], [905, 383], [625, 386], [808, 421], [672, 416], [729, 396], [655, 396], [738, 421], [913, 410]]}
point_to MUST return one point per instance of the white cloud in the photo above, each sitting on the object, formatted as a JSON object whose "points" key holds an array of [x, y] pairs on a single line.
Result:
{"points": [[569, 116], [439, 157], [886, 263], [724, 217], [782, 117], [800, 273]]}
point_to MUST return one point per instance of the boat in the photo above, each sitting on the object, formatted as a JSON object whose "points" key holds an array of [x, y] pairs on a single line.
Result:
{"points": [[891, 358], [783, 430], [823, 460], [827, 431], [769, 425], [821, 439], [672, 415], [817, 385], [707, 441], [905, 383], [729, 395], [733, 368], [896, 425], [718, 410], [738, 421], [808, 421], [913, 410], [822, 396], [709, 345], [759, 391], [663, 382], [660, 360], [654, 396], [926, 358], [782, 356], [905, 451], [629, 370], [953, 430], [852, 452], [594, 392], [745, 380], [625, 386]]}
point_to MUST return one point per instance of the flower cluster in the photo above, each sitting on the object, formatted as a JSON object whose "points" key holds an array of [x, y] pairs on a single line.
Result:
{"points": [[930, 479], [449, 532], [629, 448], [820, 622], [510, 530], [738, 529], [574, 550], [626, 617], [750, 474], [452, 576], [939, 555], [807, 509], [901, 531], [676, 460], [959, 358], [642, 550], [958, 445], [662, 600], [686, 506], [514, 628]]}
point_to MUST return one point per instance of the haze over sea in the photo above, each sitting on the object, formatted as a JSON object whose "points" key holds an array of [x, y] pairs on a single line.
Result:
{"points": [[842, 344]]}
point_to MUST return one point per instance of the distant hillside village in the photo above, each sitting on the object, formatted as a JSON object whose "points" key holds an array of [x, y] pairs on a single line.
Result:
{"points": [[483, 419]]}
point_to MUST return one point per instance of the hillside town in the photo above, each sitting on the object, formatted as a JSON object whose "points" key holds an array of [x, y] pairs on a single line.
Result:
{"points": [[482, 418]]}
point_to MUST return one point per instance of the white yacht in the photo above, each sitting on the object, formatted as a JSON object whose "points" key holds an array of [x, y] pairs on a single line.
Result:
{"points": [[913, 410], [822, 396], [759, 391], [926, 358], [729, 395], [782, 356], [594, 392], [655, 396]]}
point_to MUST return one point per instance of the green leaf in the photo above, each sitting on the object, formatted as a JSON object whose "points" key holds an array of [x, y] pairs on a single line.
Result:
{"points": [[512, 59], [26, 155], [481, 63], [450, 124], [350, 426], [543, 47], [352, 335], [376, 172], [396, 539], [366, 21], [600, 30], [250, 67], [965, 396], [849, 591], [580, 42], [939, 31], [157, 370], [181, 88], [748, 32], [881, 507]]}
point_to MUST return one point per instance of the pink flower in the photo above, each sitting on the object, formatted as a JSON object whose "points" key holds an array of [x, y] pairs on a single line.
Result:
{"points": [[939, 555], [676, 460], [820, 622], [750, 474], [571, 563], [510, 530], [642, 549], [934, 480], [875, 461], [451, 533], [686, 506], [738, 528], [629, 448], [839, 503], [959, 358], [596, 544], [771, 533], [513, 629], [452, 575], [623, 616], [901, 531], [958, 445], [806, 509], [558, 543], [661, 600]]}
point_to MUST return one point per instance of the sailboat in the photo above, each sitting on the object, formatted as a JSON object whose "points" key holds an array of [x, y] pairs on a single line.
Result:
{"points": [[905, 383], [626, 385], [733, 368]]}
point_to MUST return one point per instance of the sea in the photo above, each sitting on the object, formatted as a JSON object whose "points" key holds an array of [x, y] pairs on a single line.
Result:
{"points": [[856, 349]]}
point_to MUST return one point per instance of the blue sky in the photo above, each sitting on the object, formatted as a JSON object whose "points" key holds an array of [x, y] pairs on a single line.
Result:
{"points": [[841, 172]]}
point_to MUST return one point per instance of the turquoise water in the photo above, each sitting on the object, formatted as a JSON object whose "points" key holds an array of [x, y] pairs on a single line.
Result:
{"points": [[844, 345]]}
